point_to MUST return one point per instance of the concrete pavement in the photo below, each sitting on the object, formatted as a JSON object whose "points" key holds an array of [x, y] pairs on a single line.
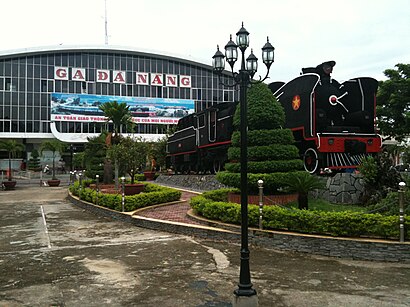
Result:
{"points": [[53, 253]]}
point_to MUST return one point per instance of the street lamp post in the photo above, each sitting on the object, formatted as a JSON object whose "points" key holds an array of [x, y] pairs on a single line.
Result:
{"points": [[243, 79], [123, 193], [72, 148], [402, 186]]}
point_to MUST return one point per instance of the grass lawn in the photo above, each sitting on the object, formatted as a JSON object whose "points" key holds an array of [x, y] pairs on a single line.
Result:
{"points": [[323, 205]]}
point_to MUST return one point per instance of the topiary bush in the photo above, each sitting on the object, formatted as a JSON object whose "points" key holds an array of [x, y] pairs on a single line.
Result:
{"points": [[33, 164], [272, 155], [264, 111]]}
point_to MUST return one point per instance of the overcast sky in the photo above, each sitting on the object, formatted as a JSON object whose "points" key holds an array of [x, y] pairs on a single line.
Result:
{"points": [[364, 37]]}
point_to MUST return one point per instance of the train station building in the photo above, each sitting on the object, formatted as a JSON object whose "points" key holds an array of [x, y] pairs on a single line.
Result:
{"points": [[55, 92]]}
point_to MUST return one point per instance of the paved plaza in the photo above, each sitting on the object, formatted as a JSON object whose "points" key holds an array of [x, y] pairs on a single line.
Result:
{"points": [[53, 253]]}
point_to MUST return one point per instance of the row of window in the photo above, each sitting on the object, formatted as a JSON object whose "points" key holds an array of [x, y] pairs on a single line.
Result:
{"points": [[34, 126], [78, 127]]}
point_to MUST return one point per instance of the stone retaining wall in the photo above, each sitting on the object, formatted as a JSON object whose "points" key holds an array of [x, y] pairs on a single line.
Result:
{"points": [[192, 182]]}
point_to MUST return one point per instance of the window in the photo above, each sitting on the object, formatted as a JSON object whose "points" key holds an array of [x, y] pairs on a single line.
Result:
{"points": [[84, 87], [50, 86], [7, 84], [44, 86]]}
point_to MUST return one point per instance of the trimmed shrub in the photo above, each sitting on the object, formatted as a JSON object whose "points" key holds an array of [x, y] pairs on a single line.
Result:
{"points": [[220, 194], [265, 153], [264, 111], [263, 137], [271, 181]]}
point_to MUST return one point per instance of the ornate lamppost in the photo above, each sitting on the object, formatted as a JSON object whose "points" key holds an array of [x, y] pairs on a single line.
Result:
{"points": [[243, 79]]}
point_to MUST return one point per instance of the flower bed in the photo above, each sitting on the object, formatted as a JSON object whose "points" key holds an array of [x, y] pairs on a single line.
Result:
{"points": [[129, 188], [152, 195]]}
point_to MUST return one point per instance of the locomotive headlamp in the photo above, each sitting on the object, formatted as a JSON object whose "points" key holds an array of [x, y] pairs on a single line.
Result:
{"points": [[268, 53], [252, 64], [331, 141], [231, 52], [242, 38], [370, 142], [218, 61]]}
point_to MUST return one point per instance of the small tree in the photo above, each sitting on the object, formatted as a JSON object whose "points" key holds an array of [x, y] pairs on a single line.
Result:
{"points": [[56, 147], [379, 176], [13, 148], [79, 161], [33, 163], [159, 151], [94, 157], [119, 114], [393, 102], [131, 155]]}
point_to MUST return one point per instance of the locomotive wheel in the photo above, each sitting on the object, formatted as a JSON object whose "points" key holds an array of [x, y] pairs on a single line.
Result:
{"points": [[310, 160]]}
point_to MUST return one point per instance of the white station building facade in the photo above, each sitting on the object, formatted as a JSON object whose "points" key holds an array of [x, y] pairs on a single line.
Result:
{"points": [[56, 92]]}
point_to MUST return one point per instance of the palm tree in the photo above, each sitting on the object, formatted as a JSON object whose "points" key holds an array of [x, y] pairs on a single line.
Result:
{"points": [[119, 114], [12, 147], [55, 146], [303, 183]]}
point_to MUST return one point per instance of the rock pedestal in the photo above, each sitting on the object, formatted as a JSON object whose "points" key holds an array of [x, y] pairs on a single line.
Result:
{"points": [[342, 188]]}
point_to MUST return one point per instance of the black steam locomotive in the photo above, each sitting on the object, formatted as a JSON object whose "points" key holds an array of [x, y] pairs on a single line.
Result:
{"points": [[332, 122]]}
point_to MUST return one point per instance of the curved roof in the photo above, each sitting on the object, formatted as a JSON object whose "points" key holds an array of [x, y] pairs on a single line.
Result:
{"points": [[99, 48]]}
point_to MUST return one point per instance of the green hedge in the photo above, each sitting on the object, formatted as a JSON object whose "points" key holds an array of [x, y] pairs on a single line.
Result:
{"points": [[345, 223], [153, 194], [263, 137], [263, 153]]}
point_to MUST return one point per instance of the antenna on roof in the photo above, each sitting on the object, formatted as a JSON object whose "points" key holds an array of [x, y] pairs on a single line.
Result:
{"points": [[106, 24]]}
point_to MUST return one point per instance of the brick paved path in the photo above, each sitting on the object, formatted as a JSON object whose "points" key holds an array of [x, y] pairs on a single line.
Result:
{"points": [[174, 213]]}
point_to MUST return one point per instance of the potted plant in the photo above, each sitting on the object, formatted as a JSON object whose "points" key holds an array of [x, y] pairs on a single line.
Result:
{"points": [[12, 147], [56, 147]]}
